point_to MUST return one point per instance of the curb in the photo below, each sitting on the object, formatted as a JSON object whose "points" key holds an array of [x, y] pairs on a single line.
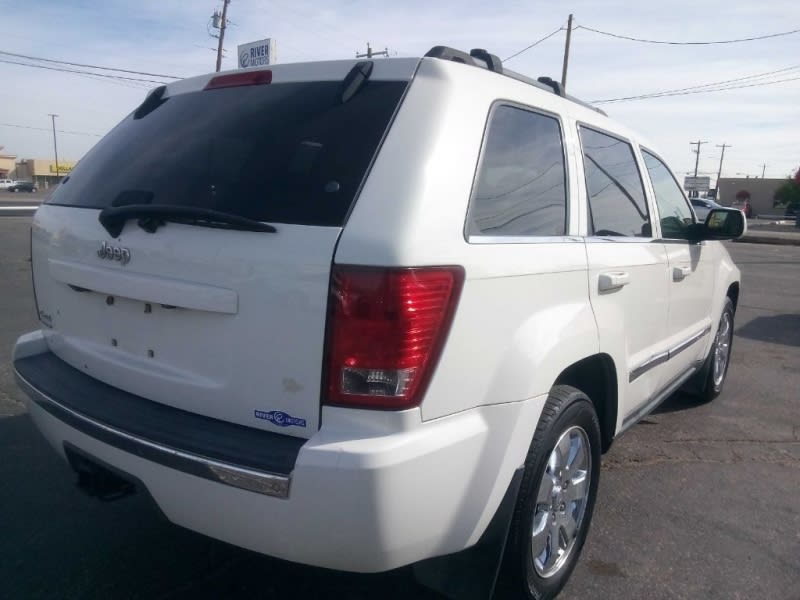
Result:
{"points": [[762, 239]]}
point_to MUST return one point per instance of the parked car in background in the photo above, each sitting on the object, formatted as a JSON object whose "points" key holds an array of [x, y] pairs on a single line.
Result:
{"points": [[702, 206], [744, 206], [23, 186], [5, 183]]}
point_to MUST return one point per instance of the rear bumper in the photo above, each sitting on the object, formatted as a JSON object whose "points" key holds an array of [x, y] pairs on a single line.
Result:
{"points": [[223, 452], [368, 492]]}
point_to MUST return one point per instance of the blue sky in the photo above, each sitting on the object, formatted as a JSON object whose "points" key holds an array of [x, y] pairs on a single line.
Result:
{"points": [[168, 36]]}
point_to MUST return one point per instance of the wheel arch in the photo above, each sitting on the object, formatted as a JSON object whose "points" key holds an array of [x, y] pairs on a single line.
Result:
{"points": [[596, 376], [733, 294]]}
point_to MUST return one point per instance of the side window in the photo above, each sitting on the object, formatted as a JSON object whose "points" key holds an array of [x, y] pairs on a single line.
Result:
{"points": [[673, 210], [617, 204], [520, 189]]}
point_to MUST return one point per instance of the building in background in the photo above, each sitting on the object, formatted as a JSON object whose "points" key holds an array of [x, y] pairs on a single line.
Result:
{"points": [[8, 165], [42, 171], [761, 191]]}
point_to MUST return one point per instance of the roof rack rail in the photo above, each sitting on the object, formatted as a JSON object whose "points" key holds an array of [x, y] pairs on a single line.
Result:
{"points": [[478, 57], [553, 84], [493, 63], [447, 53]]}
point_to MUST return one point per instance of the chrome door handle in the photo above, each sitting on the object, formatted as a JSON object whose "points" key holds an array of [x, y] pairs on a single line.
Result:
{"points": [[680, 273], [613, 281]]}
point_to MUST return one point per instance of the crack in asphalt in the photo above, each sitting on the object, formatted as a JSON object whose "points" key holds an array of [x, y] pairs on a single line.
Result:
{"points": [[632, 463], [733, 440], [728, 451]]}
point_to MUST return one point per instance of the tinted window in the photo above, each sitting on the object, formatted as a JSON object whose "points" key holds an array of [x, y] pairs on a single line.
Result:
{"points": [[521, 187], [285, 152], [617, 203], [699, 203], [673, 210]]}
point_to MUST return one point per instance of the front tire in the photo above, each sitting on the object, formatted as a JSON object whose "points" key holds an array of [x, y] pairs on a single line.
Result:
{"points": [[715, 369], [556, 498]]}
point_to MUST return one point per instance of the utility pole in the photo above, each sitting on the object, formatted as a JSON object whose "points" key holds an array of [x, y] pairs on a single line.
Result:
{"points": [[763, 169], [222, 25], [55, 145], [370, 53], [722, 156], [566, 56], [698, 143]]}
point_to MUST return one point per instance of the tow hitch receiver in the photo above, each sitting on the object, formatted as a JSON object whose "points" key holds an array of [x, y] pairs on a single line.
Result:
{"points": [[95, 479]]}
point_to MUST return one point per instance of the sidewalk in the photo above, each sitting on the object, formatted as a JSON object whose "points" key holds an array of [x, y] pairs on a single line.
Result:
{"points": [[790, 237], [771, 230]]}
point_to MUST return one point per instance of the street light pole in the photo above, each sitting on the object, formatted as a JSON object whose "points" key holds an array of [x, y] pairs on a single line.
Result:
{"points": [[55, 144]]}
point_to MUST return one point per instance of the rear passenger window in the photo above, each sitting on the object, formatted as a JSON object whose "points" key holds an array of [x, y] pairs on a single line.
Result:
{"points": [[520, 188], [617, 203]]}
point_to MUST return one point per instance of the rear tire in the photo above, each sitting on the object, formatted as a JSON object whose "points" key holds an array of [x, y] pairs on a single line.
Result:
{"points": [[556, 498], [712, 376]]}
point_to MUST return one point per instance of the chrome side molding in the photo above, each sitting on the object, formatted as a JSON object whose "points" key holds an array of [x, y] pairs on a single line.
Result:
{"points": [[663, 357]]}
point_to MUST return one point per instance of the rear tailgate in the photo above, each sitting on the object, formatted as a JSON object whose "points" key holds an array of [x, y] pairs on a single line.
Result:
{"points": [[203, 317]]}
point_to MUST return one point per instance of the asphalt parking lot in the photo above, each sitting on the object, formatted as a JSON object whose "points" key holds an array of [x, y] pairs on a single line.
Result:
{"points": [[694, 502]]}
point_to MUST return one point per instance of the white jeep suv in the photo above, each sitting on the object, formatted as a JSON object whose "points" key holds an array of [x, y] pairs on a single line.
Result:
{"points": [[367, 314]]}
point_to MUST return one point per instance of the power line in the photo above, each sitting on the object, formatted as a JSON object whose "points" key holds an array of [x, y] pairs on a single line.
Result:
{"points": [[747, 77], [671, 43], [48, 129], [721, 89], [536, 43], [701, 89], [71, 64], [119, 77]]}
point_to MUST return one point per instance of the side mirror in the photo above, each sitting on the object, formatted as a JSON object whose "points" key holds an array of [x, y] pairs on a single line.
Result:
{"points": [[720, 224]]}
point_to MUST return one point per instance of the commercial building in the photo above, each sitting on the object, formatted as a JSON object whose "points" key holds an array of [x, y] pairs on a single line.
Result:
{"points": [[761, 191], [8, 165], [42, 171]]}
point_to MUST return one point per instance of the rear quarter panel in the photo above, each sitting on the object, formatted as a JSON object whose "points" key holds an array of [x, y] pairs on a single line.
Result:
{"points": [[524, 313]]}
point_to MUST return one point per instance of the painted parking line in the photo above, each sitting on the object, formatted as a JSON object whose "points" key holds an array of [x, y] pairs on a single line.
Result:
{"points": [[29, 207]]}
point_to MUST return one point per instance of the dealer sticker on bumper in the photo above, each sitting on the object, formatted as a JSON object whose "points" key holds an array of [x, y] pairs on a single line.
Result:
{"points": [[279, 418]]}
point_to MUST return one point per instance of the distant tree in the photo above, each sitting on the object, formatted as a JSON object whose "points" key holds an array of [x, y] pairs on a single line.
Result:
{"points": [[788, 194]]}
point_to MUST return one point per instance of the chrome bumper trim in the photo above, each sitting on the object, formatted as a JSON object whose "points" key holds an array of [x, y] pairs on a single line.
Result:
{"points": [[260, 482]]}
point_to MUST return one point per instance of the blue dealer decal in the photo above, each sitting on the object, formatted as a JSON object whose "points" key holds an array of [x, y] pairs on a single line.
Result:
{"points": [[279, 418]]}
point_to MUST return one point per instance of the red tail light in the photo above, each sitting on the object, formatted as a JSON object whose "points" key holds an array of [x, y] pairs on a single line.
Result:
{"points": [[386, 331], [239, 79]]}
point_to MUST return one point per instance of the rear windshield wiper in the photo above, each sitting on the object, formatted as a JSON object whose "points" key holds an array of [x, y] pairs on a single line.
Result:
{"points": [[151, 216]]}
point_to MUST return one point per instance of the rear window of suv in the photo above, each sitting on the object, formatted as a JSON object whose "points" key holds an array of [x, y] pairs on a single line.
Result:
{"points": [[285, 152]]}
